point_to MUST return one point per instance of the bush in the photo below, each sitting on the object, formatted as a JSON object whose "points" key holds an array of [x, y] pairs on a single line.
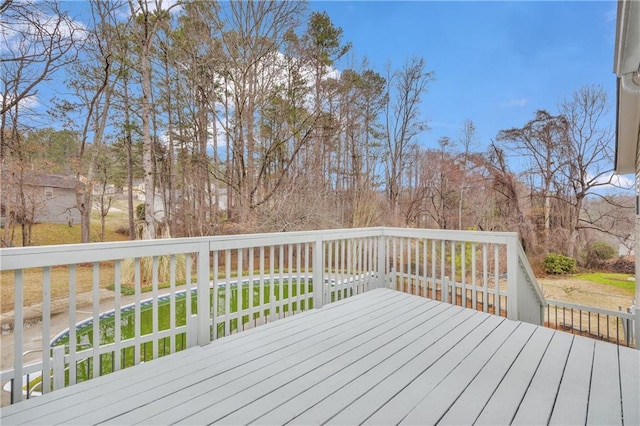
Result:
{"points": [[122, 230], [623, 266], [602, 251], [558, 264], [140, 211]]}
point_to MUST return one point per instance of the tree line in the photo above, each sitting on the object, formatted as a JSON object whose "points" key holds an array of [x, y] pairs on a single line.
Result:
{"points": [[256, 116]]}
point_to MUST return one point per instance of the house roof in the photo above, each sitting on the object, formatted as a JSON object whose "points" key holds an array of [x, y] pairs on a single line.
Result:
{"points": [[627, 68], [44, 180], [31, 178]]}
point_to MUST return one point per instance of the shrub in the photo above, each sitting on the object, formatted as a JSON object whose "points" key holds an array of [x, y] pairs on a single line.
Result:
{"points": [[623, 266], [602, 251], [558, 264], [140, 213], [146, 269], [122, 230]]}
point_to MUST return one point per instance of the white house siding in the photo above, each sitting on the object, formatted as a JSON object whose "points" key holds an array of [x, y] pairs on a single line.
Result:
{"points": [[60, 208], [48, 198]]}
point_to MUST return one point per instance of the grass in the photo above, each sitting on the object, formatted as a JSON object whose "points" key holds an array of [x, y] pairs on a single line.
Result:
{"points": [[32, 288], [53, 234], [238, 300], [602, 290], [616, 280], [46, 234], [129, 289]]}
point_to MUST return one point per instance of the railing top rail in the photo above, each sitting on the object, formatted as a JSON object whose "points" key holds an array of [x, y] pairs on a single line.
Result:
{"points": [[41, 256], [68, 254], [451, 235], [591, 309]]}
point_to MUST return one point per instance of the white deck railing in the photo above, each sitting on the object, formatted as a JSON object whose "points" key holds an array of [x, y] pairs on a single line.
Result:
{"points": [[211, 287], [602, 324]]}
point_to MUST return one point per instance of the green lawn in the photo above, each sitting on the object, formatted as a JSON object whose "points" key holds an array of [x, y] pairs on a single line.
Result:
{"points": [[238, 300], [617, 280]]}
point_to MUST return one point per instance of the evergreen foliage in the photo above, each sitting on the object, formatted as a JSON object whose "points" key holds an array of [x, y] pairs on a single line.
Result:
{"points": [[558, 264]]}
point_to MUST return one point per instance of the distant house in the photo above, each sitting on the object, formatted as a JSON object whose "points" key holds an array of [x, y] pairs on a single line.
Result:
{"points": [[108, 190], [47, 198], [220, 196], [137, 190]]}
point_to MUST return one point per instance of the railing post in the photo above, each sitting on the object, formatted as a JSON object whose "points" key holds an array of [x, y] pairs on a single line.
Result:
{"points": [[637, 265], [445, 290], [58, 368], [18, 326], [318, 273], [382, 264], [512, 278], [204, 322], [637, 327], [192, 330]]}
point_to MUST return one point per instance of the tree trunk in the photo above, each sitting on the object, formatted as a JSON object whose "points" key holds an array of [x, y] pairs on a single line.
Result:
{"points": [[129, 149], [147, 147]]}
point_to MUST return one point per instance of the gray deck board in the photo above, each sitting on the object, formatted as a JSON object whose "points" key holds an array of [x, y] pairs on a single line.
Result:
{"points": [[421, 377], [189, 366], [217, 403], [334, 374], [538, 401], [629, 384], [427, 349], [382, 357], [428, 405], [504, 402], [472, 401], [573, 395], [604, 396], [236, 367]]}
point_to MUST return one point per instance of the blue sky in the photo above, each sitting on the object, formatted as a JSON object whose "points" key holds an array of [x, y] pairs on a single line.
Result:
{"points": [[495, 63]]}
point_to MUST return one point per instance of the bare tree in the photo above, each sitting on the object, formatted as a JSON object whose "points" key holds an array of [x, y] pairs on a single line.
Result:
{"points": [[149, 16], [467, 140], [403, 123], [323, 47], [93, 84], [38, 40], [541, 142], [511, 214], [612, 215], [263, 117], [588, 151], [104, 193]]}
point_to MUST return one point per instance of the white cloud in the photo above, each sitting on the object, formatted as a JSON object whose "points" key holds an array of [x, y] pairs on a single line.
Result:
{"points": [[514, 102], [29, 102], [154, 5], [27, 34], [610, 181], [332, 73]]}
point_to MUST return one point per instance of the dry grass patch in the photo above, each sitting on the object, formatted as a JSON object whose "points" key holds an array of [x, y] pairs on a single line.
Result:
{"points": [[46, 234], [33, 282], [584, 292]]}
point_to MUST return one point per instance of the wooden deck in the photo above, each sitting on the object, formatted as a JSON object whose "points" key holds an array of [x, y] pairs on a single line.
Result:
{"points": [[383, 357]]}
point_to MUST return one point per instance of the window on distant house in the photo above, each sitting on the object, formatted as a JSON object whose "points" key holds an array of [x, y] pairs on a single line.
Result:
{"points": [[48, 192]]}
